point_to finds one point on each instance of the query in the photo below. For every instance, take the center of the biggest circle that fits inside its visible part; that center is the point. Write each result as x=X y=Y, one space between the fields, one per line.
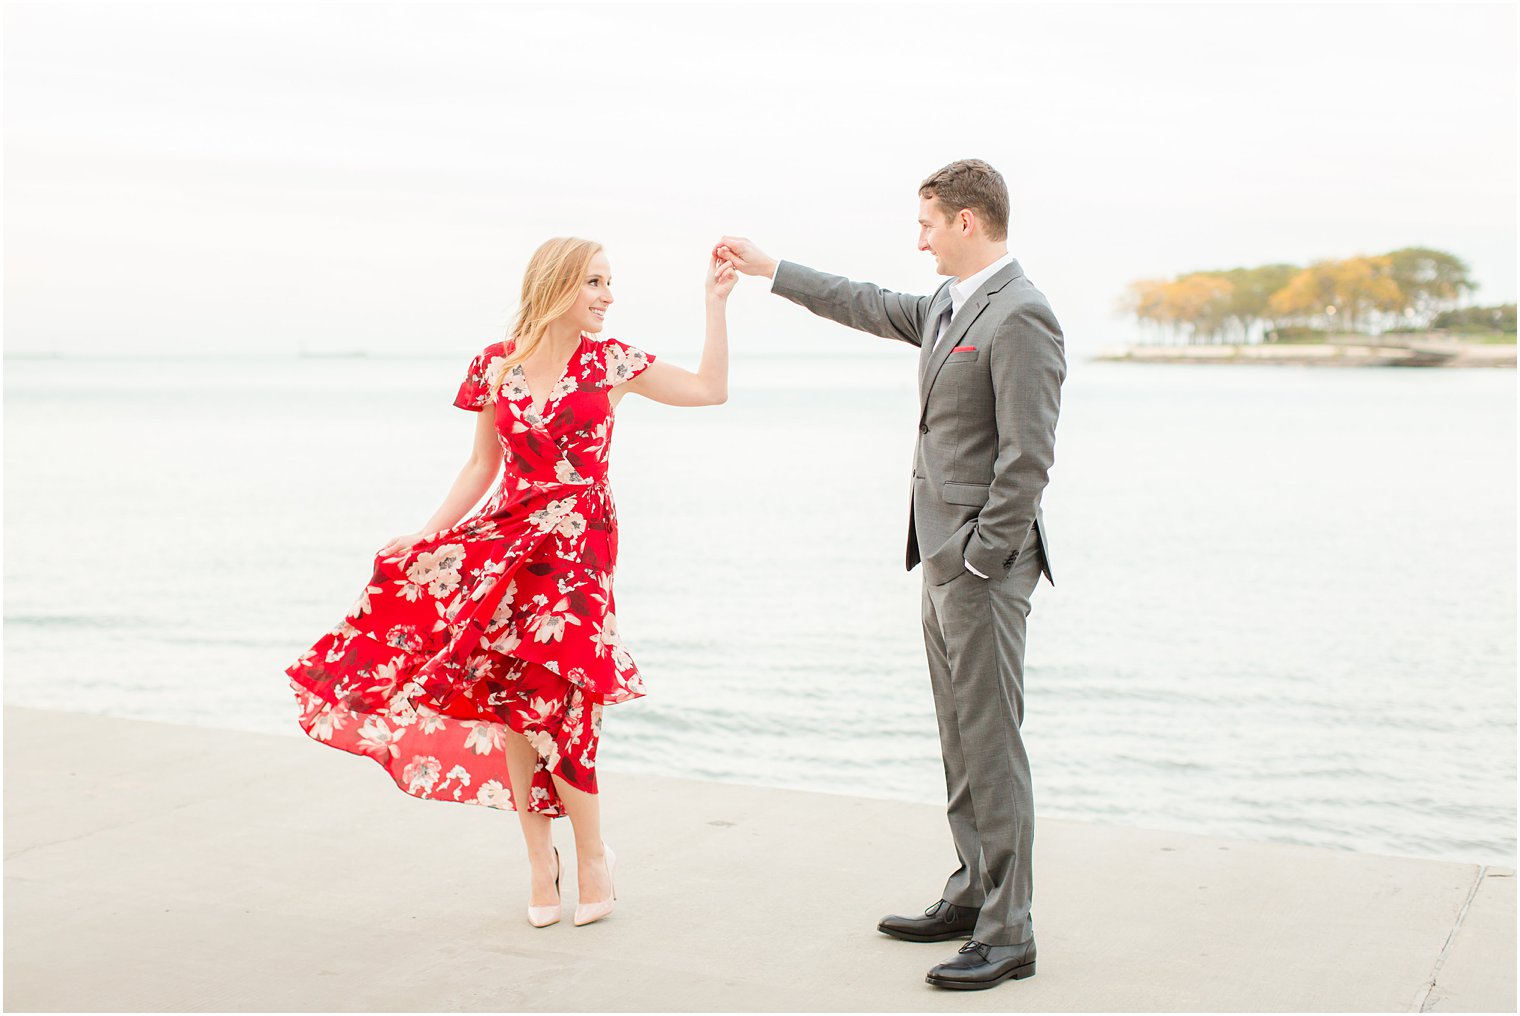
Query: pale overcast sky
x=210 y=178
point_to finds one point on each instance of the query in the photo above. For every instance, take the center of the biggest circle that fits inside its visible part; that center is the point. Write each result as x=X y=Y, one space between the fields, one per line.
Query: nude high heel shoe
x=542 y=917
x=585 y=913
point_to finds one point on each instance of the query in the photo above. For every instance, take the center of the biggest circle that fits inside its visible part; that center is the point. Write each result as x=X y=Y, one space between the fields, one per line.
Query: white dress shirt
x=960 y=292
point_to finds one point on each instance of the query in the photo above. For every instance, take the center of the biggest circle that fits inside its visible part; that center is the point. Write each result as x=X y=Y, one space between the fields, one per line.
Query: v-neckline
x=538 y=411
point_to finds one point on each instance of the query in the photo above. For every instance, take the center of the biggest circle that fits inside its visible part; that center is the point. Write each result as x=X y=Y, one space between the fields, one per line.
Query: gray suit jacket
x=989 y=395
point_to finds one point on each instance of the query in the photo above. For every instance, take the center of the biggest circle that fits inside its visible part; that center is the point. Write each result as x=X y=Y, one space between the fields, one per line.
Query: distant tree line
x=1411 y=289
x=1477 y=319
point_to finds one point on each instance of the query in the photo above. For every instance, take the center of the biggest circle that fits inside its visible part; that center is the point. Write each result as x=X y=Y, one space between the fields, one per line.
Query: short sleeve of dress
x=623 y=362
x=475 y=389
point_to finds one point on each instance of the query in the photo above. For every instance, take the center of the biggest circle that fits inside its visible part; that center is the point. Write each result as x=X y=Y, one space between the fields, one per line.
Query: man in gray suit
x=990 y=368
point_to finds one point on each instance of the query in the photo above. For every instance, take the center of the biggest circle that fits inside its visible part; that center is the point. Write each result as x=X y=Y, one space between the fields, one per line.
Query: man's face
x=939 y=236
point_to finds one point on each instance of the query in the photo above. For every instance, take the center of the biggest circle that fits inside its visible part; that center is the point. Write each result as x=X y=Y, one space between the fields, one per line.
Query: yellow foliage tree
x=1410 y=285
x=1146 y=300
x=1202 y=302
x=1193 y=306
x=1339 y=292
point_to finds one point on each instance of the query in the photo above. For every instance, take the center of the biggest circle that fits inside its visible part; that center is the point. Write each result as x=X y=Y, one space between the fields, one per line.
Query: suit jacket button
x=923 y=428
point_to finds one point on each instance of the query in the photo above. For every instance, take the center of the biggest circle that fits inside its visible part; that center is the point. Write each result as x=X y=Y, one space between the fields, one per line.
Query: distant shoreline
x=1365 y=351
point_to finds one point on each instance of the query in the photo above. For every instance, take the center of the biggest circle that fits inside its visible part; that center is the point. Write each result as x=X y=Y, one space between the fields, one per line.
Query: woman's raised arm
x=676 y=386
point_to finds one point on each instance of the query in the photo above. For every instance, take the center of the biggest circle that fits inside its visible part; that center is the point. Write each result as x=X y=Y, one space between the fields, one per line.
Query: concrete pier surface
x=150 y=866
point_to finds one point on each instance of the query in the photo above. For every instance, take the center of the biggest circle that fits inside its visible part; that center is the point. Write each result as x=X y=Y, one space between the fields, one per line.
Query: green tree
x=1429 y=282
x=1478 y=319
x=1249 y=304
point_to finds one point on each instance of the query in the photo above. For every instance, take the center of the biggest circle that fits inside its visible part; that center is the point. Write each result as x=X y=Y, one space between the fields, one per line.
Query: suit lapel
x=926 y=349
x=959 y=326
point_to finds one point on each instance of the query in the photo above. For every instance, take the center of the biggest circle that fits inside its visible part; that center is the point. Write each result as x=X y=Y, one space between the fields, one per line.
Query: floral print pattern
x=504 y=621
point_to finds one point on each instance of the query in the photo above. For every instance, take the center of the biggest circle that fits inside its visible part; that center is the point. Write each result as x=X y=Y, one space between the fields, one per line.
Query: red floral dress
x=505 y=620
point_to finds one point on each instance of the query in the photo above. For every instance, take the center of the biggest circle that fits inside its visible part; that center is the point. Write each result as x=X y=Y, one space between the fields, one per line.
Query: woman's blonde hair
x=550 y=286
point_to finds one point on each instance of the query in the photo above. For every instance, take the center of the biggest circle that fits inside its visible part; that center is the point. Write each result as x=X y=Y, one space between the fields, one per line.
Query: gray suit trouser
x=974 y=636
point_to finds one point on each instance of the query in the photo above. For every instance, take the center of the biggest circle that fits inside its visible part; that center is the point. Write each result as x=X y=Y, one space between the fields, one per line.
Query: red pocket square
x=964 y=349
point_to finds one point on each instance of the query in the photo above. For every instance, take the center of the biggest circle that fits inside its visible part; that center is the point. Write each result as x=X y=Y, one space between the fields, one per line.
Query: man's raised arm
x=856 y=304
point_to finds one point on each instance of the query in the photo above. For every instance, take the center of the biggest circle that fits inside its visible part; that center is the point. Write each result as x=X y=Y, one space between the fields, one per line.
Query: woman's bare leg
x=521 y=758
x=585 y=812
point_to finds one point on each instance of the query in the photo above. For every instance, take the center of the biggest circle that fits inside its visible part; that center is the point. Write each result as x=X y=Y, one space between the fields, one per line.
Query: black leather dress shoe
x=979 y=965
x=940 y=923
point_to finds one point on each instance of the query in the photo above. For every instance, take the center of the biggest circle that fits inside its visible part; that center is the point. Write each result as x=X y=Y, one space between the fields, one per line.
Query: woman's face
x=589 y=311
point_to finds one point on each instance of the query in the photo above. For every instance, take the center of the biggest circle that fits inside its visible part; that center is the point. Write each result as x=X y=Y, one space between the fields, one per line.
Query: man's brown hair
x=971 y=183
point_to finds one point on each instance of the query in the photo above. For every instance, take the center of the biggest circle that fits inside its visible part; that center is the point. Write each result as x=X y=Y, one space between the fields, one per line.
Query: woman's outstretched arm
x=676 y=386
x=474 y=479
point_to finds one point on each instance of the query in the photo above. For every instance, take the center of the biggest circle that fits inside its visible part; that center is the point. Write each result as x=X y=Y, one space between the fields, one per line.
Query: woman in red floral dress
x=475 y=664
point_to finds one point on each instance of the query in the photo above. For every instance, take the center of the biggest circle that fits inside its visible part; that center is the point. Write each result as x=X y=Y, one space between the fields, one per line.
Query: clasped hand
x=721 y=277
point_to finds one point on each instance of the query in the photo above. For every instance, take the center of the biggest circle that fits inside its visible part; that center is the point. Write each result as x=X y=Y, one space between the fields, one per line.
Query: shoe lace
x=979 y=948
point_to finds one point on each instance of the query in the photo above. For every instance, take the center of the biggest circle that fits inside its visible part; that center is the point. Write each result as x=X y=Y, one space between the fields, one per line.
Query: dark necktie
x=941 y=323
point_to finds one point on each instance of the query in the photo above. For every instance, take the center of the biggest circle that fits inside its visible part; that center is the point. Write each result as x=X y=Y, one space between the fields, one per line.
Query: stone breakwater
x=1372 y=353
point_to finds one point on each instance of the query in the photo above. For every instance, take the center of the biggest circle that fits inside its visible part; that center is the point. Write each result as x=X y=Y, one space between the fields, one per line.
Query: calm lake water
x=1285 y=606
